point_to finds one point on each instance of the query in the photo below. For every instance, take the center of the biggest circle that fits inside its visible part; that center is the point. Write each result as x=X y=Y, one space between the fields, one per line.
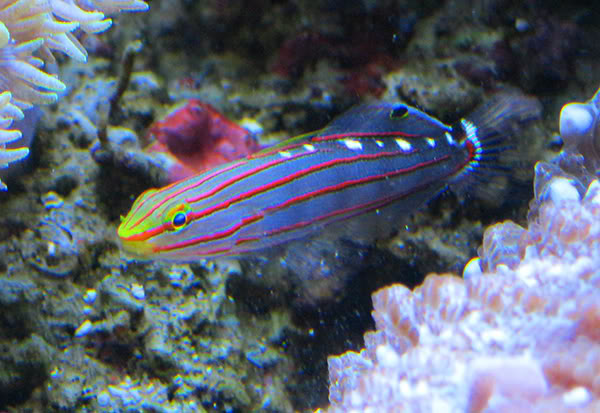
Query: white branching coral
x=524 y=338
x=8 y=112
x=30 y=30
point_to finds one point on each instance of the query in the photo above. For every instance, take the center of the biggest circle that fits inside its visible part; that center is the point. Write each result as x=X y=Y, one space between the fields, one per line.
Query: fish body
x=371 y=166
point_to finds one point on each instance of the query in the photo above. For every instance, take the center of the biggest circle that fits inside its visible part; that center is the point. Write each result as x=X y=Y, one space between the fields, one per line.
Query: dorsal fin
x=385 y=117
x=372 y=118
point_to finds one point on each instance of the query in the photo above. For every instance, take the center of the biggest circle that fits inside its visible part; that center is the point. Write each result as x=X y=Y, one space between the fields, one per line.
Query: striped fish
x=356 y=177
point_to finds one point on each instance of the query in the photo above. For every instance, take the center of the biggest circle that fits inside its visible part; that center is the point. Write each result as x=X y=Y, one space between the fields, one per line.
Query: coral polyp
x=580 y=129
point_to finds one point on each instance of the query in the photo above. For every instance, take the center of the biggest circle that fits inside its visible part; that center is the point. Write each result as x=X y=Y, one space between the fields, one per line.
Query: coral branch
x=29 y=27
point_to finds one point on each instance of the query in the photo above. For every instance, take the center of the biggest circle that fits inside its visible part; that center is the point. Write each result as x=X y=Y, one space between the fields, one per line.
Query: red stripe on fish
x=269 y=152
x=217 y=235
x=148 y=233
x=361 y=135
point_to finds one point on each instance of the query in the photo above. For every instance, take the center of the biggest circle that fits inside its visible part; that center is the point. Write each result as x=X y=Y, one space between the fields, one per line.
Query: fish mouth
x=134 y=248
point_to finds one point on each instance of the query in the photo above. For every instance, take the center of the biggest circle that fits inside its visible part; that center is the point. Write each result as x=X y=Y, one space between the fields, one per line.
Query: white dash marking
x=404 y=145
x=470 y=129
x=471 y=132
x=83 y=329
x=450 y=139
x=352 y=144
x=379 y=143
x=309 y=147
x=285 y=154
x=430 y=142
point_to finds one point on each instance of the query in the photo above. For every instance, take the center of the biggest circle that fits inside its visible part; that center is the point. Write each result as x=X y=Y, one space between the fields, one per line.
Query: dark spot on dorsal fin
x=398 y=112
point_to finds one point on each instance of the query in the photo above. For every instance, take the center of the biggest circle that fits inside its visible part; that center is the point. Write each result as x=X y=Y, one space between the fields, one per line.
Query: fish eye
x=177 y=217
x=179 y=220
x=399 y=112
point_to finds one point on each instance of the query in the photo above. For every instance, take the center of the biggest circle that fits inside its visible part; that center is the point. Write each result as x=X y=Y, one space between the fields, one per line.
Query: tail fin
x=491 y=131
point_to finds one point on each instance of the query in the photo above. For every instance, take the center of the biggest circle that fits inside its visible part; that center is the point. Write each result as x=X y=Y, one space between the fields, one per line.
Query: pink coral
x=522 y=339
x=196 y=137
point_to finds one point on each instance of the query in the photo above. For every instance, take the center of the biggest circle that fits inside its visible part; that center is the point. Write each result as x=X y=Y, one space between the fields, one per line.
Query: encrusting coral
x=518 y=333
x=30 y=30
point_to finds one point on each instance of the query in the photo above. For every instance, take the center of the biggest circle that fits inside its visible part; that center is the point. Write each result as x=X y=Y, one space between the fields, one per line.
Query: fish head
x=159 y=218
